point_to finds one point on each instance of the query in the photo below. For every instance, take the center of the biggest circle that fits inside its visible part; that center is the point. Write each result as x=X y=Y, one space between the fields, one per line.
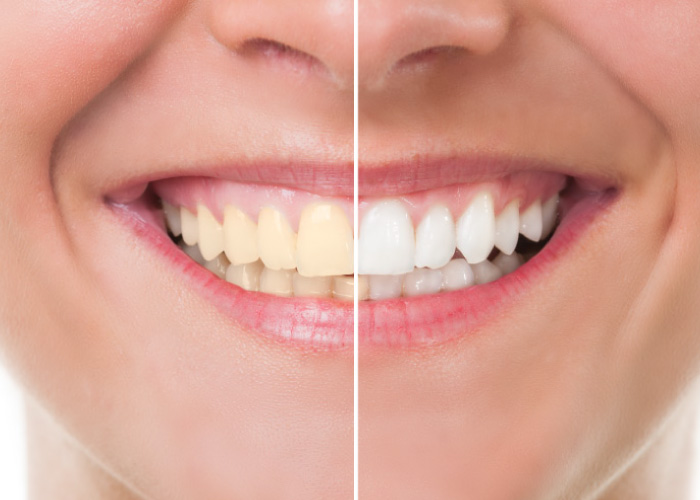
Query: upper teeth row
x=323 y=246
x=389 y=245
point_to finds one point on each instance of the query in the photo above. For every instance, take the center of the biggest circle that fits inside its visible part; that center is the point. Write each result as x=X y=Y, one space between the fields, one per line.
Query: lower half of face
x=183 y=252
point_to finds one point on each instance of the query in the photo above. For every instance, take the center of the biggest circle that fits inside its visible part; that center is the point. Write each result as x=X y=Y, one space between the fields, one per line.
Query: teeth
x=218 y=266
x=276 y=240
x=531 y=222
x=240 y=237
x=435 y=238
x=508 y=263
x=362 y=288
x=172 y=218
x=384 y=287
x=211 y=234
x=486 y=272
x=422 y=282
x=457 y=274
x=476 y=231
x=343 y=288
x=312 y=287
x=386 y=243
x=190 y=227
x=276 y=282
x=549 y=215
x=325 y=241
x=508 y=228
x=247 y=276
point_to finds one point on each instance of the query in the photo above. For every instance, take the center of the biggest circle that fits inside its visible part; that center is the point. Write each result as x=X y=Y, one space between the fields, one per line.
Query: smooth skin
x=586 y=386
x=137 y=386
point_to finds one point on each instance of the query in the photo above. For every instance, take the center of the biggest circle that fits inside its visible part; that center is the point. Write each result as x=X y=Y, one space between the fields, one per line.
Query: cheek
x=649 y=47
x=55 y=56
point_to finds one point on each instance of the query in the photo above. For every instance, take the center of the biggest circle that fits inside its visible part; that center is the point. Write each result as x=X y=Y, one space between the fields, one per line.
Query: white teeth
x=486 y=272
x=435 y=238
x=172 y=218
x=384 y=287
x=211 y=234
x=190 y=226
x=240 y=237
x=325 y=241
x=531 y=222
x=277 y=241
x=508 y=228
x=312 y=287
x=457 y=274
x=422 y=282
x=549 y=215
x=276 y=282
x=476 y=229
x=508 y=263
x=247 y=276
x=386 y=242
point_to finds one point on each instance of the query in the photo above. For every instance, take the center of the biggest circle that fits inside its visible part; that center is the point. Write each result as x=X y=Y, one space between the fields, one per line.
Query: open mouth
x=431 y=261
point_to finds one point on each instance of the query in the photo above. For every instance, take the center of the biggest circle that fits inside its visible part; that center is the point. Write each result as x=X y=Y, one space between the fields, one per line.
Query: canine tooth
x=211 y=234
x=476 y=229
x=276 y=282
x=549 y=215
x=486 y=272
x=508 y=263
x=240 y=237
x=384 y=286
x=362 y=288
x=435 y=238
x=247 y=276
x=324 y=242
x=277 y=241
x=343 y=288
x=190 y=227
x=172 y=218
x=457 y=274
x=317 y=286
x=387 y=242
x=508 y=228
x=422 y=282
x=531 y=222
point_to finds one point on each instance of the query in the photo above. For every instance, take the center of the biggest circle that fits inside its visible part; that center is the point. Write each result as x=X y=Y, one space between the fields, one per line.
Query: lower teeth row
x=456 y=275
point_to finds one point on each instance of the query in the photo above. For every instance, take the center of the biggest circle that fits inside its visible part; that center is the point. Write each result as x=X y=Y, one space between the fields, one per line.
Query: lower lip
x=431 y=319
x=304 y=323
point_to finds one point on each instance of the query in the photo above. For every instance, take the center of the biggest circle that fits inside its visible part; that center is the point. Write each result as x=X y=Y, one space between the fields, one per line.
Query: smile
x=431 y=261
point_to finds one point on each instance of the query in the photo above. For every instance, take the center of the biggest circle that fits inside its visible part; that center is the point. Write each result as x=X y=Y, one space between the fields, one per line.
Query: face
x=177 y=382
x=563 y=373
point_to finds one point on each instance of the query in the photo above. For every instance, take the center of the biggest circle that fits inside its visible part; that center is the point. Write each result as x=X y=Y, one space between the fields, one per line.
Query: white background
x=12 y=452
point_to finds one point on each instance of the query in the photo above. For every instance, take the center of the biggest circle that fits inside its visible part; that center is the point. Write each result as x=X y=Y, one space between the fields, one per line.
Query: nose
x=405 y=34
x=314 y=35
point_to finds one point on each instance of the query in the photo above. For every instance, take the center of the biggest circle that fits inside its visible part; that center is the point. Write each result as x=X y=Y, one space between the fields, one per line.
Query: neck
x=59 y=469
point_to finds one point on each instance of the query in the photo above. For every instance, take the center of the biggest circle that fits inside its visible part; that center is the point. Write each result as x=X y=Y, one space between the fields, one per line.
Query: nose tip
x=312 y=33
x=398 y=33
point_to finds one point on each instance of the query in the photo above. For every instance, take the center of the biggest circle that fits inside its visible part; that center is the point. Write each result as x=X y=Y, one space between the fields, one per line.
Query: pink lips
x=328 y=324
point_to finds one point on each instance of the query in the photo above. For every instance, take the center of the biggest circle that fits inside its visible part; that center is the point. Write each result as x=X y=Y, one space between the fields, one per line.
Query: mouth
x=460 y=240
x=440 y=250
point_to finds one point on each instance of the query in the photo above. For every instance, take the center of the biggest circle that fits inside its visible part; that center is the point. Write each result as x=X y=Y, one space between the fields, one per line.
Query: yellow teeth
x=325 y=242
x=312 y=287
x=240 y=237
x=277 y=241
x=211 y=234
x=247 y=276
x=190 y=227
x=276 y=282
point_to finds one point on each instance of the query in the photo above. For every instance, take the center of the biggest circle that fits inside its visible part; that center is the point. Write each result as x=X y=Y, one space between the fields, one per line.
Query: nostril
x=427 y=56
x=274 y=52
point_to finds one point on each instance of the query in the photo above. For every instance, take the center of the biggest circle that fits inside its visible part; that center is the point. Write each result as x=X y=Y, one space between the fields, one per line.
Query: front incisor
x=277 y=241
x=325 y=241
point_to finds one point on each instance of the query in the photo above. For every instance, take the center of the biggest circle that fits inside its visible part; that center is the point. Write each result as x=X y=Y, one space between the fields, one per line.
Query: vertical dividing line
x=356 y=342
